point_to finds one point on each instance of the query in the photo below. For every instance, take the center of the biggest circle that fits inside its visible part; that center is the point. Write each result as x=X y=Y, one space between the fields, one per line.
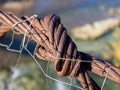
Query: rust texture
x=54 y=44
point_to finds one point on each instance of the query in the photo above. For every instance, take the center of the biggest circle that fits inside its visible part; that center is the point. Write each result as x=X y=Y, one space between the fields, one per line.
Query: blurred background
x=94 y=25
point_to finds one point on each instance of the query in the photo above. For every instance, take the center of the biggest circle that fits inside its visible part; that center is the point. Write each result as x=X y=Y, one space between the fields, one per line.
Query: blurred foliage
x=25 y=77
x=72 y=12
x=116 y=54
x=29 y=81
x=113 y=48
x=116 y=47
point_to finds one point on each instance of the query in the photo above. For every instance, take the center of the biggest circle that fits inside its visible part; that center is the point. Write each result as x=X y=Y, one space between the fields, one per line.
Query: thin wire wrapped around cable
x=55 y=45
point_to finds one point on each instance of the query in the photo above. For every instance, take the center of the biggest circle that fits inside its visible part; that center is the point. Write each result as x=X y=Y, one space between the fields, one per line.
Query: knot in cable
x=62 y=47
x=54 y=44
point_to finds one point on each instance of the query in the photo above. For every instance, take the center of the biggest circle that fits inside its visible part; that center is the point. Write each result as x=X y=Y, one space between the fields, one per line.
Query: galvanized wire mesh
x=55 y=45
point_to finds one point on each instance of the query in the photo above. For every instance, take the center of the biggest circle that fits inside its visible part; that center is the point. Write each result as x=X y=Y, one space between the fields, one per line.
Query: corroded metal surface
x=54 y=44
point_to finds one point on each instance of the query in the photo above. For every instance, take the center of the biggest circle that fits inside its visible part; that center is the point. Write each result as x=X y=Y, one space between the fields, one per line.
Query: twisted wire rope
x=54 y=44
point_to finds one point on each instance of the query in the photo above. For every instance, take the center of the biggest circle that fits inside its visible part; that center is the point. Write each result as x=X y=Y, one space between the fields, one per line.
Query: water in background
x=73 y=13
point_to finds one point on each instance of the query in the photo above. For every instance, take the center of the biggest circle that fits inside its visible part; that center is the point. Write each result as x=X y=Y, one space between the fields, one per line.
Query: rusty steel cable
x=54 y=44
